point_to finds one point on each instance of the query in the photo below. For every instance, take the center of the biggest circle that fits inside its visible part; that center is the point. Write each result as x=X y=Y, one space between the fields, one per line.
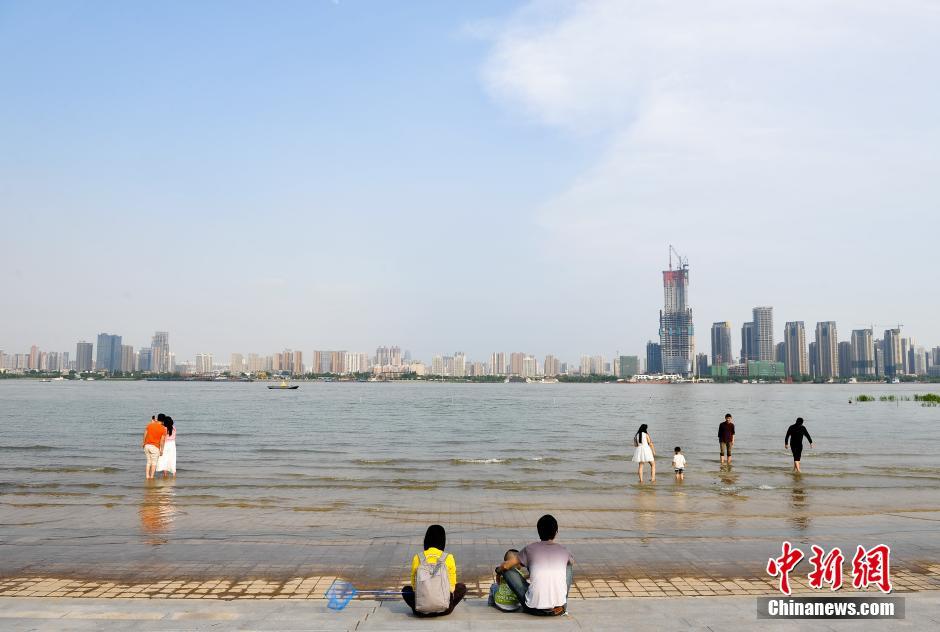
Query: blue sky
x=477 y=176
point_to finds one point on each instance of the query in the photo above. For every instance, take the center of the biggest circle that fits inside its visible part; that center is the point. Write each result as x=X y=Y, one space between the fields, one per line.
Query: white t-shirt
x=547 y=562
x=678 y=461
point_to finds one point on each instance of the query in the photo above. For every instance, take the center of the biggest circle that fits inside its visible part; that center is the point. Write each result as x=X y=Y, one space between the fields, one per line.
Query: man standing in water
x=726 y=438
x=153 y=442
x=794 y=441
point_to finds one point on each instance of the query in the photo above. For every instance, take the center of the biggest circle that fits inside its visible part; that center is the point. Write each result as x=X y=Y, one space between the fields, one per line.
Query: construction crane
x=683 y=262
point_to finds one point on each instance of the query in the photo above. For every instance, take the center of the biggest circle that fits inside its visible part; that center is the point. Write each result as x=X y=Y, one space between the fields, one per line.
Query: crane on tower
x=683 y=261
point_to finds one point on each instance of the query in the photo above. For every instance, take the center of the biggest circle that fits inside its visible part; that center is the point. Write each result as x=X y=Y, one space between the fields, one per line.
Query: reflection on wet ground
x=799 y=516
x=157 y=510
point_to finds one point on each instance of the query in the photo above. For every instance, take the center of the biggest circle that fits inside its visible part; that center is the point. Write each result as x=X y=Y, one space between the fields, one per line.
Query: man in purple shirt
x=549 y=564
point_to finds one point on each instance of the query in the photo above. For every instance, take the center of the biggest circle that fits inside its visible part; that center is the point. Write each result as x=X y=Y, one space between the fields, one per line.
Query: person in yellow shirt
x=435 y=540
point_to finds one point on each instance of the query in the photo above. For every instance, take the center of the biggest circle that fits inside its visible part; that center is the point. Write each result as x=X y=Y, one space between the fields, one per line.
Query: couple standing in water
x=159 y=444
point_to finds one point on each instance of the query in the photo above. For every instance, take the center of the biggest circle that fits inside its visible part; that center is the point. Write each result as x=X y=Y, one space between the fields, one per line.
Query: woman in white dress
x=644 y=452
x=167 y=461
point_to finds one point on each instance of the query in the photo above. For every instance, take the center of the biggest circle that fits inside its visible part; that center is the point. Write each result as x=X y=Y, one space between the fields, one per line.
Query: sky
x=474 y=176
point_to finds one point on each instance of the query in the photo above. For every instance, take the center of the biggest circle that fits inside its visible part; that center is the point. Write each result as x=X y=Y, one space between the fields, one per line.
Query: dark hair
x=506 y=556
x=799 y=421
x=547 y=527
x=435 y=537
x=638 y=437
x=678 y=449
x=727 y=415
x=161 y=417
x=168 y=424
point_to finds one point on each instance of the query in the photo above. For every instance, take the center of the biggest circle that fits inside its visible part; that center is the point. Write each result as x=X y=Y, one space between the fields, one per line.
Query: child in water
x=501 y=595
x=678 y=464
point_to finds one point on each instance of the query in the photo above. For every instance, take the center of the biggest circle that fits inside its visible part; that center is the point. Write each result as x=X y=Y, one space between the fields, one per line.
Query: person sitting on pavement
x=545 y=592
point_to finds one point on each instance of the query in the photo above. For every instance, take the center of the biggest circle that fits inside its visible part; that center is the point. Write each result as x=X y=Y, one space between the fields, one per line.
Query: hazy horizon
x=483 y=177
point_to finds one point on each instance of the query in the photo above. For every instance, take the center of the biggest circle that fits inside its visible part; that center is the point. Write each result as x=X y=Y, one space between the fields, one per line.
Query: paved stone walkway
x=314 y=587
x=728 y=614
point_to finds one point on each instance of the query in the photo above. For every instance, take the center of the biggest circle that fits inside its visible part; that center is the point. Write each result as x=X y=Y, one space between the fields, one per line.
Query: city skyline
x=492 y=175
x=761 y=355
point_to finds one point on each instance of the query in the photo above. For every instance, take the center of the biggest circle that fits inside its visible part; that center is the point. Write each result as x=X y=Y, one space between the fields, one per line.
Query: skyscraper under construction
x=676 y=333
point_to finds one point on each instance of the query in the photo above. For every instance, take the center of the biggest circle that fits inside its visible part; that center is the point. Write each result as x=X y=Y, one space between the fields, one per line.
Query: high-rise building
x=813 y=361
x=845 y=359
x=891 y=349
x=128 y=364
x=598 y=365
x=879 y=347
x=109 y=353
x=83 y=356
x=160 y=353
x=794 y=340
x=827 y=349
x=437 y=365
x=33 y=363
x=516 y=363
x=863 y=352
x=906 y=344
x=460 y=364
x=351 y=360
x=530 y=366
x=338 y=362
x=236 y=365
x=297 y=364
x=381 y=356
x=654 y=358
x=628 y=366
x=676 y=333
x=920 y=361
x=701 y=365
x=764 y=333
x=748 y=342
x=322 y=362
x=145 y=359
x=203 y=364
x=551 y=366
x=721 y=343
x=498 y=363
x=585 y=365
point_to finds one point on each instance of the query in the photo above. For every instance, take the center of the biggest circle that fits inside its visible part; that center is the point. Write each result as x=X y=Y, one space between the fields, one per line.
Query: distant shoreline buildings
x=761 y=356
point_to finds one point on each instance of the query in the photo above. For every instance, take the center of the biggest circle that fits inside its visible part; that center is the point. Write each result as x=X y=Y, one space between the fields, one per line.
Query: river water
x=345 y=476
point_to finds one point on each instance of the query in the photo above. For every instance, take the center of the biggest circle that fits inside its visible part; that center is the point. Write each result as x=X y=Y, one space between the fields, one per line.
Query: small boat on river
x=283 y=386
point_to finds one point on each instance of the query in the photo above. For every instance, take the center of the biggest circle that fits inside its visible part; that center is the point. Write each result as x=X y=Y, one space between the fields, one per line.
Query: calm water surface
x=347 y=462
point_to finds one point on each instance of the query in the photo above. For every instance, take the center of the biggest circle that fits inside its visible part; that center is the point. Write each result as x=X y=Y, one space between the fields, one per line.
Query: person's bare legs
x=639 y=471
x=796 y=466
x=652 y=471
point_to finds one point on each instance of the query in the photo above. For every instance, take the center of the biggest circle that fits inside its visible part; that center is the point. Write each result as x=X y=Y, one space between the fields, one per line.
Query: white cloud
x=744 y=109
x=768 y=140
